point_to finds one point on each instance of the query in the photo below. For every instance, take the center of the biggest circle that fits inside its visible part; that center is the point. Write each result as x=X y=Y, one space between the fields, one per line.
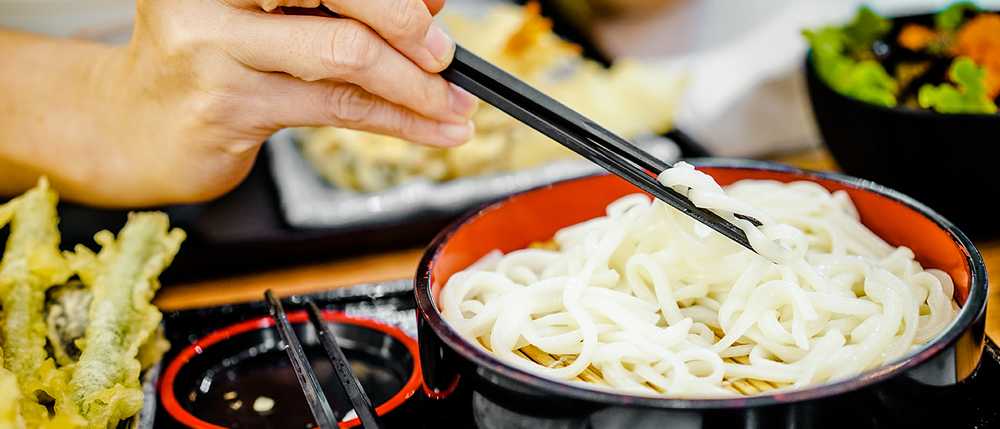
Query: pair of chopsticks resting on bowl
x=326 y=417
x=579 y=134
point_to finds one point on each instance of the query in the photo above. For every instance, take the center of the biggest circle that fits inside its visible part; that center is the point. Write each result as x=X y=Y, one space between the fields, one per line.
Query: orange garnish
x=916 y=37
x=533 y=27
x=979 y=39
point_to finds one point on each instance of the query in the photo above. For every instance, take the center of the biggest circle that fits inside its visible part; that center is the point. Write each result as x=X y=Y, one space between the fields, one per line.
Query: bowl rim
x=973 y=309
x=197 y=347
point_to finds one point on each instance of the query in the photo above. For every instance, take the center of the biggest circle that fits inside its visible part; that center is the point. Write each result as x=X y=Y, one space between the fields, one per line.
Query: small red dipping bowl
x=216 y=381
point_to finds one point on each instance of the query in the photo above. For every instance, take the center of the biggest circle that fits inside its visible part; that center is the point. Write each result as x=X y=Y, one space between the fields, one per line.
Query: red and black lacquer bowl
x=912 y=390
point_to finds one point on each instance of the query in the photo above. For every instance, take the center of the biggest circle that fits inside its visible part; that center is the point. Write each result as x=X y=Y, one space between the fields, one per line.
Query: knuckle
x=175 y=34
x=350 y=105
x=214 y=107
x=269 y=5
x=436 y=96
x=353 y=49
x=213 y=74
x=181 y=45
x=408 y=19
x=397 y=123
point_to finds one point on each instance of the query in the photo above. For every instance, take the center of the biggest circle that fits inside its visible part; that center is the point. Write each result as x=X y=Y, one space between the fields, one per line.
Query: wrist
x=108 y=102
x=143 y=122
x=119 y=158
x=54 y=114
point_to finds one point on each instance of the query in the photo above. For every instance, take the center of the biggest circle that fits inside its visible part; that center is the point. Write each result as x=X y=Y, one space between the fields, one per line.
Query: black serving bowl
x=217 y=381
x=909 y=391
x=947 y=161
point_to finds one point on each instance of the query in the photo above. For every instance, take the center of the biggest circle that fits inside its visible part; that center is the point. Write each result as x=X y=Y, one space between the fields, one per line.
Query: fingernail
x=439 y=44
x=457 y=133
x=461 y=102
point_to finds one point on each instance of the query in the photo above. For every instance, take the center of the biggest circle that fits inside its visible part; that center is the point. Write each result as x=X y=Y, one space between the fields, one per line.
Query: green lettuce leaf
x=842 y=58
x=866 y=27
x=969 y=96
x=951 y=17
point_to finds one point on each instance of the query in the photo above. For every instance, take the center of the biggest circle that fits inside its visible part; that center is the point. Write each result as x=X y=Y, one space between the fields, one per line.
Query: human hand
x=204 y=82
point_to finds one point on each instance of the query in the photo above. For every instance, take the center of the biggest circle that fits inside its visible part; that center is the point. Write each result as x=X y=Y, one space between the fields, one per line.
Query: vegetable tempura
x=73 y=350
x=629 y=98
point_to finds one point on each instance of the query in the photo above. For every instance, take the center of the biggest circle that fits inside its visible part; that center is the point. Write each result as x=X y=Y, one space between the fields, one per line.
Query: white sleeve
x=103 y=20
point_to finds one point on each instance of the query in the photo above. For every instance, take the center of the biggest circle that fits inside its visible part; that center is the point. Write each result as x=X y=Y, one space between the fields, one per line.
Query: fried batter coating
x=153 y=349
x=10 y=410
x=95 y=386
x=123 y=278
x=31 y=264
x=66 y=314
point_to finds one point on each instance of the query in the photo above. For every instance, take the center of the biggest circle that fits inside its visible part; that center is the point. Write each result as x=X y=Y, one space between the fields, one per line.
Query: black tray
x=974 y=405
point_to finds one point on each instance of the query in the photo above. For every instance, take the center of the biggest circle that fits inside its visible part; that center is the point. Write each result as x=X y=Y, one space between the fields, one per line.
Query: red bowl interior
x=184 y=417
x=537 y=215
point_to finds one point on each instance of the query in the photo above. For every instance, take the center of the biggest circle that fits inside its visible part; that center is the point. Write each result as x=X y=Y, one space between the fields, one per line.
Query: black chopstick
x=579 y=134
x=315 y=397
x=342 y=370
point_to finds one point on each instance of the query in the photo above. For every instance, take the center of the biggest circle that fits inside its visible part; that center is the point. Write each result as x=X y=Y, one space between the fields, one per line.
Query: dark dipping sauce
x=247 y=381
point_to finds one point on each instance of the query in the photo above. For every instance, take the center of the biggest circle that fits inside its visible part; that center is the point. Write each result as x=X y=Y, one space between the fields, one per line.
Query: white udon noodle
x=639 y=293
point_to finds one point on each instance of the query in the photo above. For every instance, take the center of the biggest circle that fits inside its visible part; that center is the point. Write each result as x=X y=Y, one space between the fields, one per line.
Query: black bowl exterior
x=907 y=393
x=949 y=162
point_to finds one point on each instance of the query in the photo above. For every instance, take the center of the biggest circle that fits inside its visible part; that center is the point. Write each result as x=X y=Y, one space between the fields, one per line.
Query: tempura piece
x=115 y=317
x=533 y=50
x=66 y=315
x=153 y=349
x=365 y=161
x=517 y=39
x=6 y=211
x=105 y=383
x=630 y=99
x=31 y=264
x=10 y=409
x=67 y=414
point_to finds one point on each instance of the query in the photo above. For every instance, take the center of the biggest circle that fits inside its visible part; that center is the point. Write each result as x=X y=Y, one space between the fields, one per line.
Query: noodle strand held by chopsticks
x=645 y=300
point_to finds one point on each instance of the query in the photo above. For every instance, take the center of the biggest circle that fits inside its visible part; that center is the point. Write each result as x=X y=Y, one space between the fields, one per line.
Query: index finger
x=315 y=48
x=433 y=6
x=408 y=25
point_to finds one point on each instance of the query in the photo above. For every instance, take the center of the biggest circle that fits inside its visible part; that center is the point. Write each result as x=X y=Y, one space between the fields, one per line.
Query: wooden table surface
x=403 y=263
